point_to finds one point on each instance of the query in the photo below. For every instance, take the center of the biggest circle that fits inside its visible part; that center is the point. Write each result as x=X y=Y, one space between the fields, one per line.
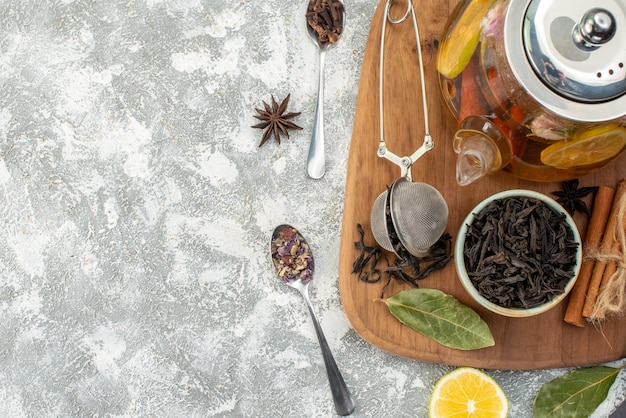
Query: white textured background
x=136 y=211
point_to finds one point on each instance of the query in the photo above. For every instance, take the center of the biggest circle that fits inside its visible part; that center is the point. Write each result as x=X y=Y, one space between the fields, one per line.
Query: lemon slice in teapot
x=457 y=49
x=589 y=147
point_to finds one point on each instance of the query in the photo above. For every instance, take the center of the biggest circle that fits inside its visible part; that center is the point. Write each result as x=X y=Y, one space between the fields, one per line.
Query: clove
x=325 y=17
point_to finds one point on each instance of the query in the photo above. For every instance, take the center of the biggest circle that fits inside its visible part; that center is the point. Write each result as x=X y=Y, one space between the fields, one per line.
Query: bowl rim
x=460 y=262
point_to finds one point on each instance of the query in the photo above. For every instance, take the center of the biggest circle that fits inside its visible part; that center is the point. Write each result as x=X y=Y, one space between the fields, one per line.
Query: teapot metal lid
x=570 y=55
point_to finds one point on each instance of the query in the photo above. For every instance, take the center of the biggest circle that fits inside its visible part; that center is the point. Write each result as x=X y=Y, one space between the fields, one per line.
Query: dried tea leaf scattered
x=410 y=269
x=366 y=264
x=407 y=268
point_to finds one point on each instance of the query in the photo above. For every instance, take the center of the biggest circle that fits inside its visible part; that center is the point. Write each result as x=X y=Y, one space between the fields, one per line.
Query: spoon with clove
x=325 y=20
x=293 y=260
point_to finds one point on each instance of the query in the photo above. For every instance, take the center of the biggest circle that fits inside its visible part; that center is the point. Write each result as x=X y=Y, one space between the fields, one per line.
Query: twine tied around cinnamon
x=611 y=300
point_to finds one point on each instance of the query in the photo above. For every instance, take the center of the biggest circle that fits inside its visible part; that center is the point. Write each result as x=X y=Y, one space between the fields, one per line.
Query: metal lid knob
x=596 y=27
x=584 y=80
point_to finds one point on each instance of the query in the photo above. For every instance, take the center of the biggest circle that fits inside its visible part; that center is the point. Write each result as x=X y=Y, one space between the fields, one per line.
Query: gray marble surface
x=136 y=211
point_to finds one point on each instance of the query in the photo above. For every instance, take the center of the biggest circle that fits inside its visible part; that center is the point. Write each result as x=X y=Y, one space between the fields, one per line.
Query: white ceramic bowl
x=460 y=263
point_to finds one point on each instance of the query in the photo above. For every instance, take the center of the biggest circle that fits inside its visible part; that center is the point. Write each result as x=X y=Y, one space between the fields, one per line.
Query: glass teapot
x=537 y=87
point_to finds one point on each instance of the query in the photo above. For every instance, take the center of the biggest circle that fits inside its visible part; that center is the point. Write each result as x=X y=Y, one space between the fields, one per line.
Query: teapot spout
x=476 y=158
x=476 y=145
x=472 y=165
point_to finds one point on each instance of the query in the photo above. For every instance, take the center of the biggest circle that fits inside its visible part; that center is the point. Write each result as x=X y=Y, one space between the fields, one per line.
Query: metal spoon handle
x=316 y=162
x=344 y=404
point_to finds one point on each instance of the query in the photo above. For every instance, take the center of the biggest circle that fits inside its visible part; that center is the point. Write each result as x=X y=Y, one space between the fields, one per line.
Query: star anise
x=571 y=196
x=275 y=120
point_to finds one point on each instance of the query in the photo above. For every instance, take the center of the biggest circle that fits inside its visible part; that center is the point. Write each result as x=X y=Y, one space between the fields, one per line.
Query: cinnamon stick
x=602 y=205
x=608 y=241
x=609 y=244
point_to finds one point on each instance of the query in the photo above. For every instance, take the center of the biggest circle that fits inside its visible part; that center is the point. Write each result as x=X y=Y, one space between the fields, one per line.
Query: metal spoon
x=324 y=36
x=293 y=260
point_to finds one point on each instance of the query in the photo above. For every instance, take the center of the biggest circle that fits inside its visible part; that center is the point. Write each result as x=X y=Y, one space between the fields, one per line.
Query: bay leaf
x=576 y=394
x=440 y=316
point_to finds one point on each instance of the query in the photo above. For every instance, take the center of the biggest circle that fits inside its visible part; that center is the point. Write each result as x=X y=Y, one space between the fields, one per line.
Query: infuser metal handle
x=405 y=162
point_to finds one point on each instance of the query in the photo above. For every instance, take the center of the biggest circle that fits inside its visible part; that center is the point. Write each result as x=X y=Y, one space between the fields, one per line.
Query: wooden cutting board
x=543 y=341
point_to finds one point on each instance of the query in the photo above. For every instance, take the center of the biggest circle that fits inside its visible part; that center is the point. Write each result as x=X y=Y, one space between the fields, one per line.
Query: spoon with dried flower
x=325 y=20
x=293 y=260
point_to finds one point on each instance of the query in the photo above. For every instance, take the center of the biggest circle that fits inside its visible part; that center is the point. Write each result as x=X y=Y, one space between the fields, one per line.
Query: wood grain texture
x=544 y=341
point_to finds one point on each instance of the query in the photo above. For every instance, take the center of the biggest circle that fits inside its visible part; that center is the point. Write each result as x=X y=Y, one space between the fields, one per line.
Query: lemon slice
x=589 y=147
x=457 y=49
x=467 y=392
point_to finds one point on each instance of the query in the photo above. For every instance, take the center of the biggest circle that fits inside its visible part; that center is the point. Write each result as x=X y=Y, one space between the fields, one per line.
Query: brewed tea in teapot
x=537 y=87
